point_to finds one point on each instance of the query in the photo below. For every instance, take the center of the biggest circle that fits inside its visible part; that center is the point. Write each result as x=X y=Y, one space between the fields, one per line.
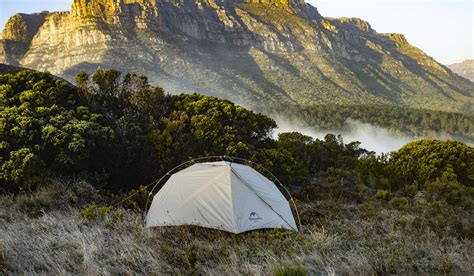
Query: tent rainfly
x=221 y=195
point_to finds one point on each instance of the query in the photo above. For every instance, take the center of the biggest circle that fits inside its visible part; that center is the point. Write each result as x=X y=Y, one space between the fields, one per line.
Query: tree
x=427 y=160
x=154 y=132
x=45 y=127
x=202 y=126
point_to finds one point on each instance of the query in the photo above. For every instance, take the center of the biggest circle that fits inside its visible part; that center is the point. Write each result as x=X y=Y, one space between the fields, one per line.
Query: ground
x=45 y=232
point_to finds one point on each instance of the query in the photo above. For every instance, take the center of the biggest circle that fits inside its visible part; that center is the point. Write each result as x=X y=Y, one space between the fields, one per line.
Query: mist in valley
x=373 y=138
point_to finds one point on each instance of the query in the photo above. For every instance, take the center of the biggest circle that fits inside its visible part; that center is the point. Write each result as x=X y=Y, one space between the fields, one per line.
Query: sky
x=444 y=29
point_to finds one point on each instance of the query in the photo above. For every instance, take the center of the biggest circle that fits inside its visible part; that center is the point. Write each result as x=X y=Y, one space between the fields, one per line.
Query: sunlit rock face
x=464 y=69
x=254 y=52
x=17 y=35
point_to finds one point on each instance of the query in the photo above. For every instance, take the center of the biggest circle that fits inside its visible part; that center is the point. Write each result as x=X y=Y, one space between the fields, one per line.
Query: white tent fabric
x=221 y=195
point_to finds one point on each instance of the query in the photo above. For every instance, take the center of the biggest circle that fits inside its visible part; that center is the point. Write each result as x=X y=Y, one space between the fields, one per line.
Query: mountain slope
x=464 y=69
x=252 y=52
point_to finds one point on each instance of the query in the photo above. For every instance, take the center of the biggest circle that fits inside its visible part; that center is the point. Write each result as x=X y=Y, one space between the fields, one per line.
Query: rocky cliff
x=464 y=69
x=253 y=52
x=17 y=35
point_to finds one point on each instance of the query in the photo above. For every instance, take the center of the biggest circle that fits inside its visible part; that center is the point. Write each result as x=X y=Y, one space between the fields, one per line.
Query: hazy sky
x=444 y=29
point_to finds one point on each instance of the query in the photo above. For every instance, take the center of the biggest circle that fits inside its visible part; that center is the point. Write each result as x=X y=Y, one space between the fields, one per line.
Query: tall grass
x=55 y=240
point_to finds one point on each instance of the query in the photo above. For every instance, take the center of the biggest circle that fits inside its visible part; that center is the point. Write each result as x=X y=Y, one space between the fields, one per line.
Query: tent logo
x=254 y=217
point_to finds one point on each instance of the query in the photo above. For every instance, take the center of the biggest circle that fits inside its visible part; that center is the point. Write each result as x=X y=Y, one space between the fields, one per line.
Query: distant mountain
x=464 y=69
x=255 y=53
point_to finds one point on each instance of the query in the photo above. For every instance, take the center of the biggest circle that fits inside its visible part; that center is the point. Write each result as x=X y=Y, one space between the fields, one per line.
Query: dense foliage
x=120 y=132
x=116 y=130
x=45 y=126
x=155 y=132
x=201 y=125
x=416 y=122
x=298 y=159
x=427 y=160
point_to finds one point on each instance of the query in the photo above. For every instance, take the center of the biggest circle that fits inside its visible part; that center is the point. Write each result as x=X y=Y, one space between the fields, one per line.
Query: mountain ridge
x=464 y=69
x=251 y=52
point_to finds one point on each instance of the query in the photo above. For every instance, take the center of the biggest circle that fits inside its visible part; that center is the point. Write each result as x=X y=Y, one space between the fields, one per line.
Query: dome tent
x=221 y=195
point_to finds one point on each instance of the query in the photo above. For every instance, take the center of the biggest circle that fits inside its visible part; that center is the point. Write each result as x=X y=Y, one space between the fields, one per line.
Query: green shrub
x=399 y=203
x=280 y=233
x=89 y=213
x=289 y=269
x=136 y=199
x=22 y=167
x=382 y=194
x=46 y=127
x=369 y=209
x=451 y=192
x=421 y=203
x=397 y=258
x=93 y=212
x=402 y=222
x=426 y=160
x=442 y=218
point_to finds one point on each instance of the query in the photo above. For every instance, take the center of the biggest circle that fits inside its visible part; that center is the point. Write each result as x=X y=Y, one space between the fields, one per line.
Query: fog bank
x=374 y=138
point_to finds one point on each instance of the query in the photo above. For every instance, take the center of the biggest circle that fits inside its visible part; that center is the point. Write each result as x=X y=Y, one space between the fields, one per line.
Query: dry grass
x=55 y=240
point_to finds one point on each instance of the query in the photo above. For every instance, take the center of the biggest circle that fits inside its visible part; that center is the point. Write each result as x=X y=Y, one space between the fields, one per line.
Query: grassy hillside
x=43 y=232
x=74 y=162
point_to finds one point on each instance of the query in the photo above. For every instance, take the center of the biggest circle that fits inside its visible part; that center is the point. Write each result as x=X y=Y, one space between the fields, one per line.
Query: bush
x=23 y=167
x=289 y=269
x=136 y=200
x=400 y=203
x=155 y=132
x=203 y=125
x=192 y=257
x=426 y=160
x=45 y=127
x=93 y=212
x=382 y=194
x=450 y=191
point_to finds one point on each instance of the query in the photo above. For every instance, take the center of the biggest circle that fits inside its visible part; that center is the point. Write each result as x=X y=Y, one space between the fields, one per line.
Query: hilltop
x=77 y=164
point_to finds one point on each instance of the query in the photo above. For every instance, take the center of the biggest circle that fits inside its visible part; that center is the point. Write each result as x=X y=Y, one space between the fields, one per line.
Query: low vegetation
x=69 y=153
x=339 y=235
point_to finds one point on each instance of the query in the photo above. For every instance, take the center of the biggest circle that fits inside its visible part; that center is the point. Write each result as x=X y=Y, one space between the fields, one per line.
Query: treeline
x=123 y=132
x=119 y=132
x=416 y=122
